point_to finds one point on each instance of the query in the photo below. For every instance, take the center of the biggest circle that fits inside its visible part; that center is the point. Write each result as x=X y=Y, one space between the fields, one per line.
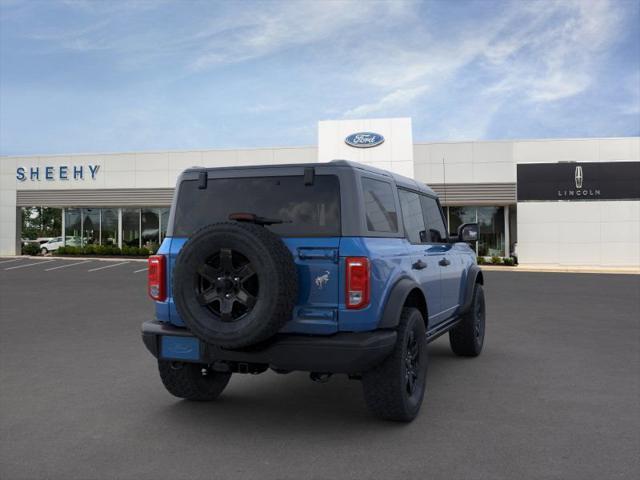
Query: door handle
x=419 y=265
x=444 y=262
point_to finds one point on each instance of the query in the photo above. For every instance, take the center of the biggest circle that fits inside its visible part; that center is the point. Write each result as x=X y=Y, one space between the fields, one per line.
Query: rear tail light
x=357 y=294
x=157 y=278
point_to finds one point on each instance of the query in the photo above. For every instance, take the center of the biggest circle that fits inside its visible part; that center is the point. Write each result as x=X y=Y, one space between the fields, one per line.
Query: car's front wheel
x=394 y=390
x=192 y=381
x=44 y=251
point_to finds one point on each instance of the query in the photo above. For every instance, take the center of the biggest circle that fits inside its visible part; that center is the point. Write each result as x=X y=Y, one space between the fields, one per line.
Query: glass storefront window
x=72 y=226
x=491 y=223
x=41 y=222
x=131 y=227
x=90 y=226
x=109 y=227
x=164 y=219
x=141 y=227
x=460 y=215
x=150 y=228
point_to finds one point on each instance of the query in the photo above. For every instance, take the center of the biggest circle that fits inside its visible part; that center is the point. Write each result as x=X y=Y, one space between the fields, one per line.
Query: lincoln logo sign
x=60 y=172
x=364 y=139
x=579 y=177
x=574 y=182
x=579 y=191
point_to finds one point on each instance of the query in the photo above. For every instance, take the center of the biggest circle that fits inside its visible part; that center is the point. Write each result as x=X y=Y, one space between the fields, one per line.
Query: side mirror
x=468 y=232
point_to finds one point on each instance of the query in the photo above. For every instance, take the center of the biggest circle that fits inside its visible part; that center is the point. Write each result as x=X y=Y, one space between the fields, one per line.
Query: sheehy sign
x=575 y=181
x=59 y=172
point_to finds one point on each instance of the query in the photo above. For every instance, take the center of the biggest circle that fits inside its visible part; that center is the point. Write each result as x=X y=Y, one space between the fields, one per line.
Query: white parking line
x=30 y=264
x=108 y=266
x=65 y=266
x=9 y=261
x=141 y=270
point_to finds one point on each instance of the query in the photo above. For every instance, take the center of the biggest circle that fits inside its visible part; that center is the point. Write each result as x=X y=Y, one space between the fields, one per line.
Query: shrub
x=481 y=261
x=31 y=249
x=508 y=261
x=102 y=250
x=496 y=260
x=68 y=250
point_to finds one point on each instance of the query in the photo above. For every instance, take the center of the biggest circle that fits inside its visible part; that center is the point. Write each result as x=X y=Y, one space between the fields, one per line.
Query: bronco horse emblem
x=322 y=280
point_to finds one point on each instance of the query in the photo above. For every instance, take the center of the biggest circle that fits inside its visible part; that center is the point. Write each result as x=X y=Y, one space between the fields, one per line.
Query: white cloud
x=396 y=99
x=539 y=51
x=289 y=25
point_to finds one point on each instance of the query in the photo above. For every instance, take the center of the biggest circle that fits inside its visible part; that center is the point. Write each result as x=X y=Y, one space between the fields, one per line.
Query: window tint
x=436 y=231
x=380 y=206
x=412 y=216
x=306 y=210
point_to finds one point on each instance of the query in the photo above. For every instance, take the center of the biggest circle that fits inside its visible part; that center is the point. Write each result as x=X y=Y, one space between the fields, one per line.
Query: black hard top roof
x=400 y=180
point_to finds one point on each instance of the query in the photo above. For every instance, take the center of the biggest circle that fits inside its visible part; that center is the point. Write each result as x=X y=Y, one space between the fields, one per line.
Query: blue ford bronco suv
x=327 y=268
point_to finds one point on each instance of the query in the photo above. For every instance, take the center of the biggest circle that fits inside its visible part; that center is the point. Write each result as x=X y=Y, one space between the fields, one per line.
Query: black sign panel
x=579 y=181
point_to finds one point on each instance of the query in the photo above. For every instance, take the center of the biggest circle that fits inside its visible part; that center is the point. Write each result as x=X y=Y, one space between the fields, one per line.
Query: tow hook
x=320 y=377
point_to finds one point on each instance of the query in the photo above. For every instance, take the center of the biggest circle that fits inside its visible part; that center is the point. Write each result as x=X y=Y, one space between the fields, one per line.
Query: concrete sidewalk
x=96 y=258
x=562 y=269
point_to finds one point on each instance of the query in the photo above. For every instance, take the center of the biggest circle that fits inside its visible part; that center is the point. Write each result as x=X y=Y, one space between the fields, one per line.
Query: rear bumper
x=339 y=353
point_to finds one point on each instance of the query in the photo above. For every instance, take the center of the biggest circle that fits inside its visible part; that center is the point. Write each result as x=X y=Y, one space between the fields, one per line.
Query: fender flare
x=474 y=275
x=399 y=293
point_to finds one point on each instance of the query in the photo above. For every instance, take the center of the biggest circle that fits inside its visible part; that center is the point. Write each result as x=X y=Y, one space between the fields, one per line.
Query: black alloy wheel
x=227 y=285
x=478 y=319
x=412 y=363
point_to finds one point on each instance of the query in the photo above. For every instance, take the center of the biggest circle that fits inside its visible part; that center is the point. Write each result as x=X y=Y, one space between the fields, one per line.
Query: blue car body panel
x=320 y=263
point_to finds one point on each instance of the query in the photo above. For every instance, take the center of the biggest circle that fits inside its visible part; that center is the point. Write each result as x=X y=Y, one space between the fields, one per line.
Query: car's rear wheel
x=192 y=381
x=467 y=338
x=394 y=390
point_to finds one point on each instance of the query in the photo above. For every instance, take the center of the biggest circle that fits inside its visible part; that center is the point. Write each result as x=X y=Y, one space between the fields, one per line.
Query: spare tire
x=234 y=284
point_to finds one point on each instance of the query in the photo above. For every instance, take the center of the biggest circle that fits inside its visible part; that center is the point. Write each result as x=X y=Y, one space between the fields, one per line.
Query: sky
x=88 y=76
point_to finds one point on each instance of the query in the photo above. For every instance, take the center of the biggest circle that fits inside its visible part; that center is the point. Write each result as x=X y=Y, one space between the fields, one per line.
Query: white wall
x=148 y=169
x=8 y=218
x=584 y=233
x=465 y=162
x=587 y=233
x=395 y=154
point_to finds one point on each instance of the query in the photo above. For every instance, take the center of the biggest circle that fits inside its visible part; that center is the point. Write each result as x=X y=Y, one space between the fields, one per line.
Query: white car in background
x=57 y=242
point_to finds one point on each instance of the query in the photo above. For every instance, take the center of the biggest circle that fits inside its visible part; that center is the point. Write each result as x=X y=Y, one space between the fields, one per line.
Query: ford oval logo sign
x=364 y=139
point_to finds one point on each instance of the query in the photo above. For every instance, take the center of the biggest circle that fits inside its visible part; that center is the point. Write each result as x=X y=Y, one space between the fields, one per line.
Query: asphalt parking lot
x=554 y=394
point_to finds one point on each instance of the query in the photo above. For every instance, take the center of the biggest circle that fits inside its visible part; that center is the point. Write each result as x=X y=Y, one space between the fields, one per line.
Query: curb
x=558 y=269
x=98 y=259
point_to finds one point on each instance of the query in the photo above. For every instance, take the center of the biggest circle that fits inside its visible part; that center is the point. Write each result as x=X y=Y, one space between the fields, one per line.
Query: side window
x=380 y=206
x=412 y=216
x=436 y=231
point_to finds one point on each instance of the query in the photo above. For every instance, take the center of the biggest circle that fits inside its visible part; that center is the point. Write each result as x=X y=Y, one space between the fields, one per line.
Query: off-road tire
x=385 y=386
x=467 y=337
x=192 y=381
x=276 y=273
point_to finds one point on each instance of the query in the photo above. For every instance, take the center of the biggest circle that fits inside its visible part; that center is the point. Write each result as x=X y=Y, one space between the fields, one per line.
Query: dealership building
x=560 y=202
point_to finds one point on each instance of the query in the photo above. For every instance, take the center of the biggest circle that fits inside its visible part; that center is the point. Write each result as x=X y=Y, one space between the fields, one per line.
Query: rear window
x=308 y=210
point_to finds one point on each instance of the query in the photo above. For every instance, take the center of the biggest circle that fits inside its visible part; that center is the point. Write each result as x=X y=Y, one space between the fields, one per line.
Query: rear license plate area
x=179 y=348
